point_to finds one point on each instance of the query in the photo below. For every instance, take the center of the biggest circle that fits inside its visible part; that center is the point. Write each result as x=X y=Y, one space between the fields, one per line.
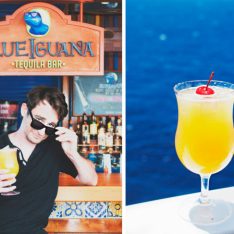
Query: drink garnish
x=205 y=90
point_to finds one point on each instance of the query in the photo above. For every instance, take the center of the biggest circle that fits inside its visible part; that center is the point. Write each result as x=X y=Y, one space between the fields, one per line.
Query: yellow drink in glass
x=205 y=136
x=8 y=160
x=205 y=142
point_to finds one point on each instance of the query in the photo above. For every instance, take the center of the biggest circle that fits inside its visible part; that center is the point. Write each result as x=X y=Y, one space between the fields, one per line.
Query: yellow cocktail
x=205 y=142
x=8 y=160
x=205 y=137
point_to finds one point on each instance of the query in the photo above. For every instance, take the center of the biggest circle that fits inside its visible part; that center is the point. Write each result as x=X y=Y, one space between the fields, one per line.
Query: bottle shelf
x=99 y=152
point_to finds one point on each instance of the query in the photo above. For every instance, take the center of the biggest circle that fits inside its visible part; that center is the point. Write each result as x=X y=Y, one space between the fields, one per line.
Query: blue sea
x=170 y=41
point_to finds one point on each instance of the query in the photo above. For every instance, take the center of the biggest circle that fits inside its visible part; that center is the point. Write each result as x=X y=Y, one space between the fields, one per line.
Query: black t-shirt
x=37 y=183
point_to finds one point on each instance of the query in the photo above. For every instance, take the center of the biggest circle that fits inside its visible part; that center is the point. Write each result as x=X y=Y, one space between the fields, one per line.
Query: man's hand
x=85 y=168
x=68 y=139
x=6 y=180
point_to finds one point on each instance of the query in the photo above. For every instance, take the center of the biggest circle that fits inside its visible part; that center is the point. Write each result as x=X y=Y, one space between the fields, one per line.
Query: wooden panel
x=85 y=225
x=66 y=48
x=89 y=193
x=103 y=180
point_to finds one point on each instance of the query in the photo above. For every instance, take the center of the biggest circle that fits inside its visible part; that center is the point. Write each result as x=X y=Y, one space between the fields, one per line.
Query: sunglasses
x=39 y=125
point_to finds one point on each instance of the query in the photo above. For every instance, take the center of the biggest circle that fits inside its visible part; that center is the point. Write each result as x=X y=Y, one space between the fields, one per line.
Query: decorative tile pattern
x=65 y=210
x=95 y=209
x=114 y=210
x=57 y=211
x=74 y=209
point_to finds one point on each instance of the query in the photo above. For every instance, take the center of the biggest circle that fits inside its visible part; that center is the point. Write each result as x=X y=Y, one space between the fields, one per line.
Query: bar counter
x=104 y=179
x=107 y=189
x=71 y=193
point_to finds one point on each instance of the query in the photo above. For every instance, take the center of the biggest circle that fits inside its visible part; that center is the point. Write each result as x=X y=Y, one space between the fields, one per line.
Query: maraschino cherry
x=205 y=90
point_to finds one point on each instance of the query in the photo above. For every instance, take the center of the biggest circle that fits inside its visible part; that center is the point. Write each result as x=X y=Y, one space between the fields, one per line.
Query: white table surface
x=162 y=217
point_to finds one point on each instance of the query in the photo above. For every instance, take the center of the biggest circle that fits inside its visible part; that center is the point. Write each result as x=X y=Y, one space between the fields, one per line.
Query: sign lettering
x=40 y=39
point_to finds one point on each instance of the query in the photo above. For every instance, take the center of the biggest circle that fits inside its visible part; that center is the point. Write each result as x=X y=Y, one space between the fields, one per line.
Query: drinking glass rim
x=9 y=149
x=200 y=81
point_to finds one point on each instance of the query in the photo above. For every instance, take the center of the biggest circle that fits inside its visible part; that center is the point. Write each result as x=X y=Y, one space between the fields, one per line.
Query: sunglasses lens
x=36 y=124
x=50 y=131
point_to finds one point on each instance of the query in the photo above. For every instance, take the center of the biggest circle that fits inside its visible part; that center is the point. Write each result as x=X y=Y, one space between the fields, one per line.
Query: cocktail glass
x=205 y=143
x=8 y=160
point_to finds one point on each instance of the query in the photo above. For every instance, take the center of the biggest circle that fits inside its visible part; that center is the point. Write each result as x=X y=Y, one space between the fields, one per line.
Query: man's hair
x=52 y=95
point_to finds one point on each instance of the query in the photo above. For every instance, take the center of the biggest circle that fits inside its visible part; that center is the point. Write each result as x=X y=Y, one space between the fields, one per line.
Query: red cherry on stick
x=205 y=90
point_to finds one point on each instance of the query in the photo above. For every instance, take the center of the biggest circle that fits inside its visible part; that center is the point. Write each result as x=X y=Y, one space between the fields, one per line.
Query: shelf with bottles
x=98 y=134
x=100 y=140
x=106 y=163
x=87 y=149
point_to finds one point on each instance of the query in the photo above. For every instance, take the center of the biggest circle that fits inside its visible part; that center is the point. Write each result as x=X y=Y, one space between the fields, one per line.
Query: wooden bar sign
x=39 y=39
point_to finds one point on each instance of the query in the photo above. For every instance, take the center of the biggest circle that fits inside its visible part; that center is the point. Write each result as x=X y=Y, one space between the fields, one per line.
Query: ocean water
x=170 y=41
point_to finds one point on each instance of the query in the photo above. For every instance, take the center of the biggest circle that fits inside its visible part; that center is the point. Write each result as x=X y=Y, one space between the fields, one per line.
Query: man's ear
x=24 y=109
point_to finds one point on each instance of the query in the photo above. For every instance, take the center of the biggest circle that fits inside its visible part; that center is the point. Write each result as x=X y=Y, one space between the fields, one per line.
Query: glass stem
x=204 y=199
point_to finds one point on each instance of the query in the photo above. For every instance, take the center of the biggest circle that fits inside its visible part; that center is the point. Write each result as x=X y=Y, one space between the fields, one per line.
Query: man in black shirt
x=44 y=151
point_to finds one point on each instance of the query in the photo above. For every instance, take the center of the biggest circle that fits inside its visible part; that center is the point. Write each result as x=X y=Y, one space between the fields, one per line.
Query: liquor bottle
x=118 y=136
x=118 y=129
x=92 y=156
x=101 y=125
x=101 y=136
x=99 y=163
x=109 y=141
x=107 y=163
x=115 y=163
x=104 y=122
x=93 y=131
x=85 y=130
x=117 y=143
x=110 y=126
x=5 y=126
x=113 y=122
x=85 y=125
x=78 y=128
x=85 y=135
x=84 y=122
x=78 y=133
